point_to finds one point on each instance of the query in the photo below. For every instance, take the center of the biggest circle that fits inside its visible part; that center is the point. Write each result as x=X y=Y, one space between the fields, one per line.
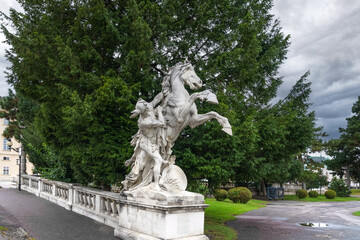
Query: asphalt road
x=45 y=220
x=280 y=220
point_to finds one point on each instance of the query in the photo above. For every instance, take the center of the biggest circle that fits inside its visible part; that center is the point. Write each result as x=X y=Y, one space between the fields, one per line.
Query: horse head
x=189 y=77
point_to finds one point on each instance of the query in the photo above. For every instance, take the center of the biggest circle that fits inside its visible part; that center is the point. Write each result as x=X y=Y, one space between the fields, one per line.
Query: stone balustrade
x=166 y=216
x=99 y=205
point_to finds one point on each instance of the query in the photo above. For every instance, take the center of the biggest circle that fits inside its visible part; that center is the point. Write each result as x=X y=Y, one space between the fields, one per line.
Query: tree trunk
x=263 y=188
x=348 y=179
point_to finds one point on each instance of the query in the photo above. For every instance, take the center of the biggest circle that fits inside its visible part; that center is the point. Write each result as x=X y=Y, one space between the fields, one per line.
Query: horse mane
x=166 y=83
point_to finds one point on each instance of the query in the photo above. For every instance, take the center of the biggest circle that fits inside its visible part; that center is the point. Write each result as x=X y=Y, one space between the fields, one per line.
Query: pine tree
x=346 y=150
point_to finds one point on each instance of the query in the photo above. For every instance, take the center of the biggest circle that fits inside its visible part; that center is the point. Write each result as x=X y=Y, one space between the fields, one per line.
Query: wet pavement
x=282 y=219
x=29 y=215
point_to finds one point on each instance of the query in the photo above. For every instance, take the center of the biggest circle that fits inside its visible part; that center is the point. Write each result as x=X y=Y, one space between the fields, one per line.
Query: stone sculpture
x=160 y=123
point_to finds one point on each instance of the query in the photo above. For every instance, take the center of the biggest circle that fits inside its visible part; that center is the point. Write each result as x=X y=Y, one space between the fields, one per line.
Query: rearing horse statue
x=179 y=106
x=160 y=123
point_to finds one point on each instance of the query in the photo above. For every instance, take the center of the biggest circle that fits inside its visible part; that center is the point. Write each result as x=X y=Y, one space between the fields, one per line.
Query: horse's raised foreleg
x=199 y=119
x=204 y=95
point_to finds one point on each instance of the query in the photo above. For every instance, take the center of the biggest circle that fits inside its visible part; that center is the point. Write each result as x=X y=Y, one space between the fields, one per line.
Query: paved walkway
x=281 y=220
x=44 y=220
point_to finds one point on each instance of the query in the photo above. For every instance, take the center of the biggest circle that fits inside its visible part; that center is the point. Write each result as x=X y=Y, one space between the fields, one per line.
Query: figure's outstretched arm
x=157 y=99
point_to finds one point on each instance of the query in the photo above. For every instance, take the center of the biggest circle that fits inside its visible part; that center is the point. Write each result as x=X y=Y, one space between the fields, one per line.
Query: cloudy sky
x=5 y=7
x=325 y=39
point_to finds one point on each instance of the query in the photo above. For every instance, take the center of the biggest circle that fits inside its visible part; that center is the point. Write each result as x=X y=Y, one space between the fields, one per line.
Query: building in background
x=9 y=159
x=319 y=157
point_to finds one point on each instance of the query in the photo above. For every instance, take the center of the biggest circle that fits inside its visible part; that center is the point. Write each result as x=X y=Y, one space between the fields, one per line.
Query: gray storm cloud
x=325 y=37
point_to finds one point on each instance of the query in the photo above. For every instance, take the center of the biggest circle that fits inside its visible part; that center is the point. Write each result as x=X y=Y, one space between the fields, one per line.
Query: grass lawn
x=321 y=198
x=357 y=213
x=219 y=212
x=355 y=191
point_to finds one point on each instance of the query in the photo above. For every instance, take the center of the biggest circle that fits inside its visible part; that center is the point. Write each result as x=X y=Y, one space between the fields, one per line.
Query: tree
x=85 y=63
x=286 y=130
x=346 y=150
x=312 y=175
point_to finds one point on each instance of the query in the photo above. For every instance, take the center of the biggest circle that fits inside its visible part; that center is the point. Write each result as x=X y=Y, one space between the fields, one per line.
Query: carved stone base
x=139 y=220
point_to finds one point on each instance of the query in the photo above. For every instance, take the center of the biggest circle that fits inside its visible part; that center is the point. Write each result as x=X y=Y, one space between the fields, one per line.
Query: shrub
x=301 y=193
x=330 y=194
x=220 y=194
x=339 y=186
x=239 y=195
x=313 y=194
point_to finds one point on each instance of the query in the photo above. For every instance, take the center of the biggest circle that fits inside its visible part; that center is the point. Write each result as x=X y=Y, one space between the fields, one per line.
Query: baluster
x=86 y=199
x=83 y=196
x=89 y=200
x=113 y=208
x=107 y=206
x=80 y=198
x=118 y=208
x=93 y=201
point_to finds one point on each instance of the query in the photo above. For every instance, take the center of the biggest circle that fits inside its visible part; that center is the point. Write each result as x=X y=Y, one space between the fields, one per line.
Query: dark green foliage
x=340 y=187
x=301 y=193
x=346 y=150
x=198 y=186
x=220 y=194
x=314 y=180
x=54 y=168
x=330 y=194
x=239 y=195
x=83 y=64
x=313 y=194
x=313 y=175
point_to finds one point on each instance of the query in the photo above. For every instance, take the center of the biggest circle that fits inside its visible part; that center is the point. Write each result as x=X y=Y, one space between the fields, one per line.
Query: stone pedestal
x=161 y=215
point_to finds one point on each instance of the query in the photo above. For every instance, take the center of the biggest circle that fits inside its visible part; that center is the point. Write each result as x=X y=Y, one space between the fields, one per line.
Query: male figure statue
x=146 y=159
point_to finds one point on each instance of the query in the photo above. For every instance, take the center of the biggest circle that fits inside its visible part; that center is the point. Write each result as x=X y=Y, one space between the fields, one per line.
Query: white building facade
x=9 y=159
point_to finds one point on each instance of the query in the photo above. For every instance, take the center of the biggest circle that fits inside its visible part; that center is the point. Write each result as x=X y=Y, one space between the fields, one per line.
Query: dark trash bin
x=275 y=193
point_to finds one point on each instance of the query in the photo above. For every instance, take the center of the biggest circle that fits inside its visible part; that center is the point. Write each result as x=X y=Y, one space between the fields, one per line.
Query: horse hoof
x=228 y=130
x=213 y=102
x=211 y=98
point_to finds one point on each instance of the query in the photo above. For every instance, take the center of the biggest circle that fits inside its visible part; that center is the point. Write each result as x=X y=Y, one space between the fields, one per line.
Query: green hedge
x=220 y=194
x=239 y=195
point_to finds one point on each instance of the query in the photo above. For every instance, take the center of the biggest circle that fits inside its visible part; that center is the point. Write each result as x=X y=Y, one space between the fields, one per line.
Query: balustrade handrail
x=102 y=193
x=76 y=186
x=30 y=177
x=103 y=206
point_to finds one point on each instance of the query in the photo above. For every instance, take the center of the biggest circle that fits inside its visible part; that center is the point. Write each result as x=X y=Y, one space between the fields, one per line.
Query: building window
x=6 y=158
x=6 y=147
x=6 y=170
x=6 y=121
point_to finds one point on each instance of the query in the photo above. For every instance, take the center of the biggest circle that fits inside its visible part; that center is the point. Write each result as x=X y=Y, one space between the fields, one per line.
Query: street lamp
x=18 y=150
